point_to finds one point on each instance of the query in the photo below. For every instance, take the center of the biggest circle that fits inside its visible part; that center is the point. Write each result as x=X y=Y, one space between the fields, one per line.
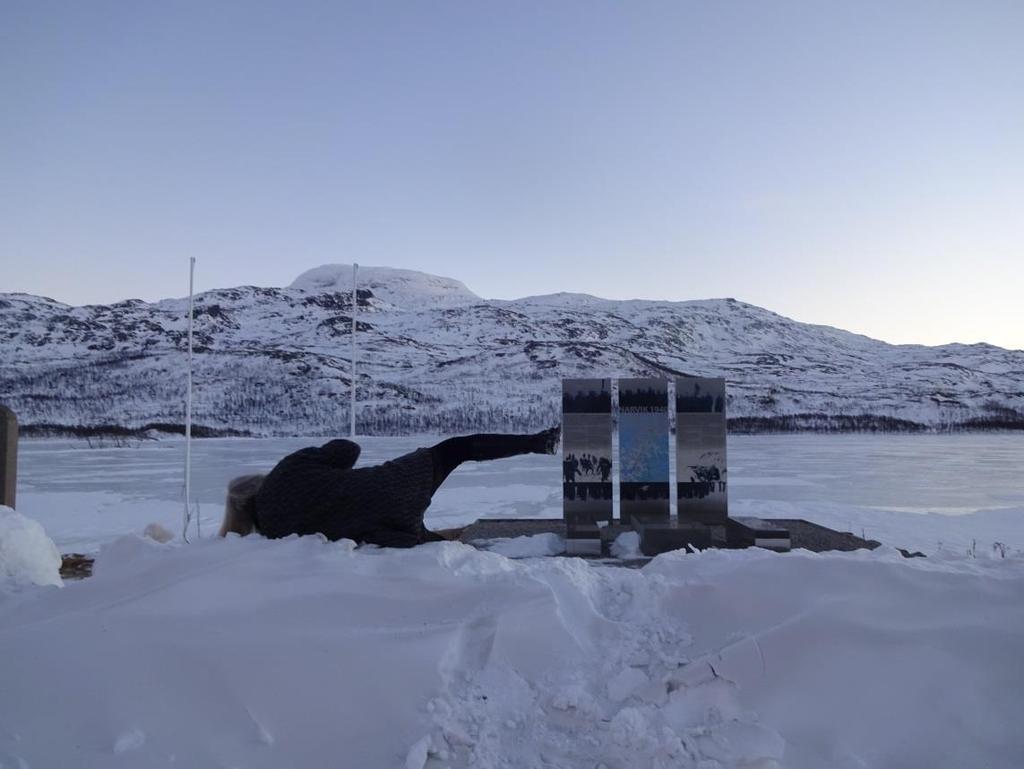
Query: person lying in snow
x=319 y=490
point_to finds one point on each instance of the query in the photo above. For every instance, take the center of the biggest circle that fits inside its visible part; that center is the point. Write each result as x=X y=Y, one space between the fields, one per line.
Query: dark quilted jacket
x=319 y=490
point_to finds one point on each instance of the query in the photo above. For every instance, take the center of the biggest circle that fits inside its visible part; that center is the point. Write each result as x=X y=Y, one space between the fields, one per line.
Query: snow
x=626 y=545
x=400 y=288
x=157 y=533
x=131 y=740
x=306 y=653
x=27 y=555
x=530 y=546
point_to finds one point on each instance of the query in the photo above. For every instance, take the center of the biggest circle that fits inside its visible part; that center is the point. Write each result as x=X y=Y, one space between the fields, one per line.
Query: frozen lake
x=947 y=474
x=880 y=484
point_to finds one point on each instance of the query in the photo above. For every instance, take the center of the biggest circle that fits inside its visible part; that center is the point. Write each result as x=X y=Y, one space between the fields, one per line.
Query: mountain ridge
x=435 y=357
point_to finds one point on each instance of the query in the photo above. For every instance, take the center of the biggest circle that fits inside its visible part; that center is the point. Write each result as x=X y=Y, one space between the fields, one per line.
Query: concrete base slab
x=660 y=536
x=803 y=534
x=583 y=547
x=746 y=531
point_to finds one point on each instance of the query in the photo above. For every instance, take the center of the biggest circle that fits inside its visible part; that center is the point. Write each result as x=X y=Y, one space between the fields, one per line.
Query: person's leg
x=450 y=453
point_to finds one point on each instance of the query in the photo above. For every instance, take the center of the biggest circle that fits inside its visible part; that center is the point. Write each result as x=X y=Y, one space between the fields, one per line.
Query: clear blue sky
x=859 y=164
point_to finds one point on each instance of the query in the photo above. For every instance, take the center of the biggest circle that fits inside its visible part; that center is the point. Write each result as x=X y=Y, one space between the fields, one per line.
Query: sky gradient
x=859 y=165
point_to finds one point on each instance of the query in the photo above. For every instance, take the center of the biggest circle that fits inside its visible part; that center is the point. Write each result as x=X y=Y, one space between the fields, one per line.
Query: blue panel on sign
x=643 y=449
x=645 y=438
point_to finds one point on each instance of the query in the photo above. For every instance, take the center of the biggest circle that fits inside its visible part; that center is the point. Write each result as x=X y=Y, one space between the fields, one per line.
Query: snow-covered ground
x=305 y=653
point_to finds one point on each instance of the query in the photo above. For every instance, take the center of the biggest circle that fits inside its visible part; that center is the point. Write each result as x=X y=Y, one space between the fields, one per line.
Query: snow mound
x=627 y=545
x=158 y=533
x=27 y=555
x=119 y=557
x=402 y=288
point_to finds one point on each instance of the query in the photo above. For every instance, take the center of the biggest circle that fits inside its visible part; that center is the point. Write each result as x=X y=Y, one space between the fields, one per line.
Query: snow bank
x=27 y=555
x=306 y=653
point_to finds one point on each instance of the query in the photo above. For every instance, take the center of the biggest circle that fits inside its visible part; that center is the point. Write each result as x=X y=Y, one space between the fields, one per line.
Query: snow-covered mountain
x=434 y=357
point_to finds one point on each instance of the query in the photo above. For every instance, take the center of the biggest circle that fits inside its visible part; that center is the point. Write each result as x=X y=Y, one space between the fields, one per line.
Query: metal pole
x=352 y=429
x=188 y=406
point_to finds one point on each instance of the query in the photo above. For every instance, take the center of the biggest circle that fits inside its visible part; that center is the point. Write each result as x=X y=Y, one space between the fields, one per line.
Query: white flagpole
x=352 y=428
x=188 y=407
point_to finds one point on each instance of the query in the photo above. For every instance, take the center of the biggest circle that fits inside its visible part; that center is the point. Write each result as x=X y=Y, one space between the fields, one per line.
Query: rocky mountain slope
x=434 y=357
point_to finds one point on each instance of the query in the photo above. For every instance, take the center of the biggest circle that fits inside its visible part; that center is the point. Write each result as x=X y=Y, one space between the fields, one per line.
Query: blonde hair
x=240 y=505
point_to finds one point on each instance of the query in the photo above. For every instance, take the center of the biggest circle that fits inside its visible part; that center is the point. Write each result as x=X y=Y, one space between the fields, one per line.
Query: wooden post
x=8 y=456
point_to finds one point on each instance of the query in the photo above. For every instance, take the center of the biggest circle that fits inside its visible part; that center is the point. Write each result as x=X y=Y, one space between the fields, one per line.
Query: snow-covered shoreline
x=926 y=493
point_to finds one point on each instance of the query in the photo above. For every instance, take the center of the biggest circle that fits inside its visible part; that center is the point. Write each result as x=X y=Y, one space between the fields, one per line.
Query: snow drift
x=304 y=653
